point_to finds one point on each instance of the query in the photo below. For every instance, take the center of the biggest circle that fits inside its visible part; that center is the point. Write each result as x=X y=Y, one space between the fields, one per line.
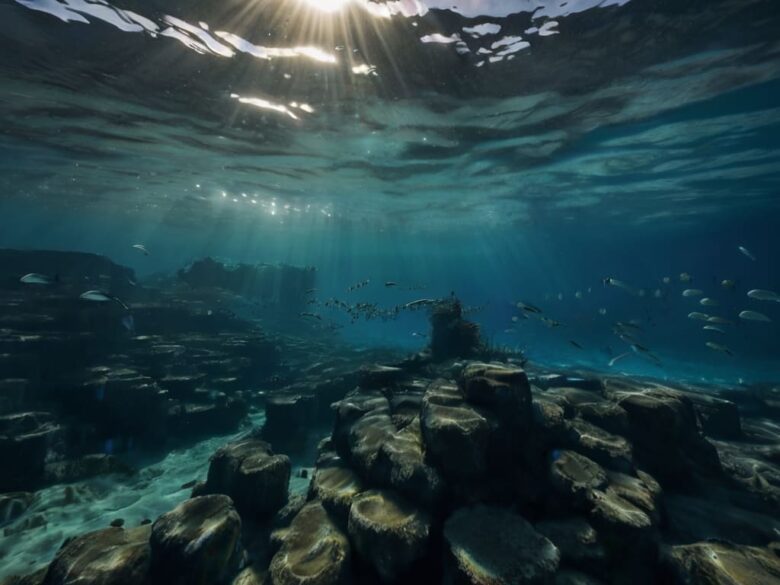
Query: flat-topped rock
x=313 y=551
x=113 y=556
x=611 y=451
x=250 y=473
x=576 y=477
x=721 y=563
x=388 y=532
x=197 y=542
x=456 y=435
x=335 y=485
x=377 y=376
x=493 y=546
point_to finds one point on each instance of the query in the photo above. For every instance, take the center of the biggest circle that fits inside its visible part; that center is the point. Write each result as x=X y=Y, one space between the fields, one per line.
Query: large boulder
x=250 y=473
x=665 y=435
x=314 y=551
x=720 y=563
x=335 y=485
x=456 y=435
x=611 y=451
x=576 y=477
x=500 y=388
x=388 y=532
x=282 y=413
x=197 y=543
x=113 y=556
x=493 y=546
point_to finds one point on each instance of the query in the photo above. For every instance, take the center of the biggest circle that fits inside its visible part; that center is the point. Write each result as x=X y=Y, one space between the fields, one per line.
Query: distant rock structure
x=280 y=285
x=452 y=336
x=82 y=382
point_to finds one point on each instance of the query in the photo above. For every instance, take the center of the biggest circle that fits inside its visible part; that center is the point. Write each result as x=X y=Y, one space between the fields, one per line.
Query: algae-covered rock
x=575 y=477
x=197 y=543
x=388 y=532
x=720 y=563
x=313 y=551
x=456 y=435
x=250 y=473
x=493 y=546
x=335 y=485
x=113 y=556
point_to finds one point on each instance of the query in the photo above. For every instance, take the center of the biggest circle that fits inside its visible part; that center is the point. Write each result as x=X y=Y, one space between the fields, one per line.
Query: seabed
x=191 y=445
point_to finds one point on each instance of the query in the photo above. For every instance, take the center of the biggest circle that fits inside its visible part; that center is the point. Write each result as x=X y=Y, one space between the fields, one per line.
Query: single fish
x=692 y=292
x=699 y=316
x=617 y=358
x=419 y=302
x=726 y=283
x=390 y=283
x=310 y=291
x=609 y=281
x=99 y=296
x=718 y=347
x=721 y=320
x=746 y=252
x=629 y=325
x=575 y=344
x=560 y=296
x=666 y=280
x=515 y=319
x=754 y=316
x=602 y=311
x=529 y=308
x=550 y=322
x=685 y=277
x=35 y=278
x=641 y=350
x=708 y=302
x=657 y=293
x=764 y=295
x=713 y=328
x=311 y=315
x=578 y=295
x=141 y=248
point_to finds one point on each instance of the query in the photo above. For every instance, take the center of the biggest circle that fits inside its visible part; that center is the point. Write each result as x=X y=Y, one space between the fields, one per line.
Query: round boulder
x=388 y=532
x=113 y=556
x=197 y=543
x=493 y=546
x=313 y=551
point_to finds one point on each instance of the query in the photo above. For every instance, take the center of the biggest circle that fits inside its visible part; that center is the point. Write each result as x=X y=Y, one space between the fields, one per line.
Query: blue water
x=586 y=149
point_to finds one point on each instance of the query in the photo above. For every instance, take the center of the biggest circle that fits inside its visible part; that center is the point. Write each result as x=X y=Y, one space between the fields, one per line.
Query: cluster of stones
x=479 y=478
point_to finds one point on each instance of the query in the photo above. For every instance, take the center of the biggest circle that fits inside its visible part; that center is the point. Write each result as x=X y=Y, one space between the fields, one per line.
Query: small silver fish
x=657 y=293
x=390 y=284
x=685 y=277
x=141 y=248
x=692 y=292
x=746 y=252
x=699 y=316
x=617 y=358
x=720 y=320
x=35 y=278
x=99 y=296
x=718 y=347
x=764 y=295
x=617 y=283
x=708 y=302
x=726 y=283
x=575 y=344
x=578 y=294
x=666 y=280
x=713 y=328
x=528 y=307
x=602 y=311
x=754 y=316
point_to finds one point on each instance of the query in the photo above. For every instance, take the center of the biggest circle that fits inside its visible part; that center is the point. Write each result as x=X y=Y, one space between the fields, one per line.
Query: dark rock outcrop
x=495 y=546
x=196 y=543
x=388 y=532
x=250 y=473
x=113 y=556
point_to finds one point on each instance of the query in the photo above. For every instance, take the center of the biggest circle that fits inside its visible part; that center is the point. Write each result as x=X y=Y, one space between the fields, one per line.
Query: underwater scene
x=346 y=292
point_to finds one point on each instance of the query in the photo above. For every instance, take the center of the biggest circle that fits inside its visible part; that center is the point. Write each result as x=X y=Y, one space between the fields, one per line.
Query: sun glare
x=328 y=5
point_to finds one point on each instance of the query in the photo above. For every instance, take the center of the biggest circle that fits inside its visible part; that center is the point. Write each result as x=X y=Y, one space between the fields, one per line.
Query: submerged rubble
x=450 y=467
